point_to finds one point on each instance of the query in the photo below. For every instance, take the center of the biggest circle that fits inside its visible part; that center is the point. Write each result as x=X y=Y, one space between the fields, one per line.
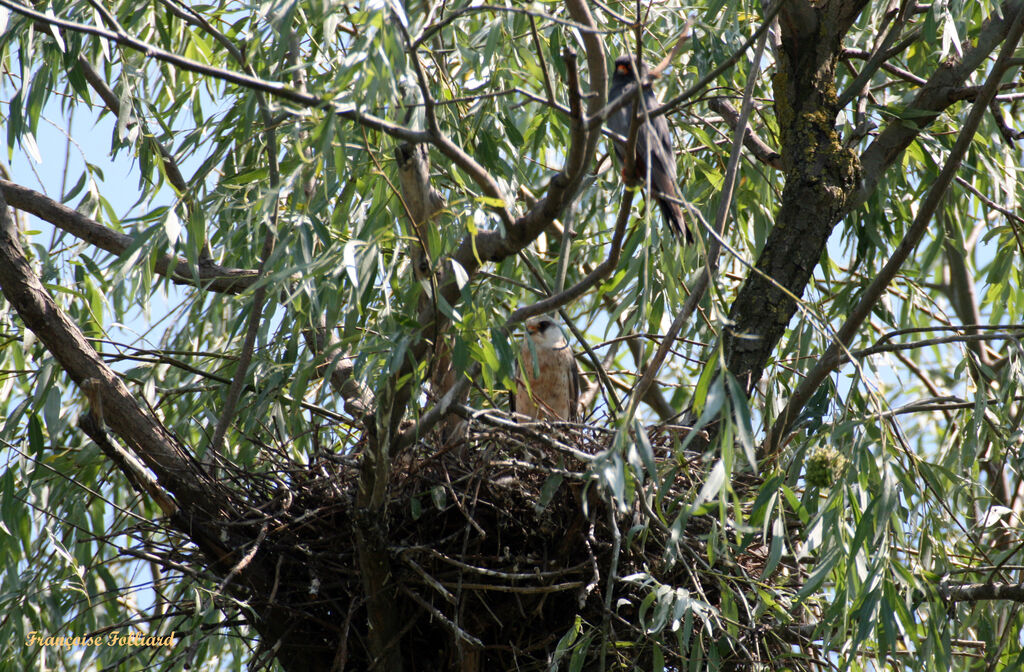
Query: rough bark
x=821 y=176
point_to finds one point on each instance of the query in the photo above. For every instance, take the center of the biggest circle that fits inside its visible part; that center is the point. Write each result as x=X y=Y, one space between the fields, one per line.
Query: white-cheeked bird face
x=545 y=332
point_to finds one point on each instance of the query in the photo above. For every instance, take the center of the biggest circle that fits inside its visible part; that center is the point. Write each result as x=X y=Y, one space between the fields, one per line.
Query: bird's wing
x=664 y=180
x=654 y=147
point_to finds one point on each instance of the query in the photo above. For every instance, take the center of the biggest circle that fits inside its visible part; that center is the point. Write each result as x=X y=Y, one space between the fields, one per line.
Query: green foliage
x=923 y=439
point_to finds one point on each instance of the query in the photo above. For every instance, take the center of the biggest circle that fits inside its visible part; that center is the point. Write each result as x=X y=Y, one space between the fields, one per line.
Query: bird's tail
x=673 y=215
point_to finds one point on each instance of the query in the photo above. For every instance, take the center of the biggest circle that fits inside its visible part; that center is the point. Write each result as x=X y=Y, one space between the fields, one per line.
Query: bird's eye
x=544 y=324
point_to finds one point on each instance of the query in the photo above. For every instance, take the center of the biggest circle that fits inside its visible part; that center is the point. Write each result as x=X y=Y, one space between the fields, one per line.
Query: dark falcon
x=654 y=153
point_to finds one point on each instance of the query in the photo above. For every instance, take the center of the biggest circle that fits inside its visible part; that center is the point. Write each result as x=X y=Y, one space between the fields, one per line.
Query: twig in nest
x=490 y=417
x=523 y=590
x=458 y=503
x=456 y=630
x=431 y=581
x=246 y=559
x=513 y=576
x=595 y=579
x=530 y=466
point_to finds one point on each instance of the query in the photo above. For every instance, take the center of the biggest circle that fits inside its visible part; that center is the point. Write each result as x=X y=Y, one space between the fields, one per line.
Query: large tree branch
x=209 y=276
x=821 y=175
x=175 y=469
x=821 y=182
x=975 y=592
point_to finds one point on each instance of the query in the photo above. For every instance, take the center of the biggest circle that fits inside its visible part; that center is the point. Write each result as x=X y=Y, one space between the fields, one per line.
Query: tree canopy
x=254 y=398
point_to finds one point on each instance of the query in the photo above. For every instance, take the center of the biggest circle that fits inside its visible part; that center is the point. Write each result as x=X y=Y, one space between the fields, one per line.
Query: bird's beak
x=532 y=328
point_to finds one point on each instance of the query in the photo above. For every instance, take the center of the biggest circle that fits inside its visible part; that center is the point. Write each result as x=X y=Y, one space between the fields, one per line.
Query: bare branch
x=975 y=592
x=592 y=278
x=751 y=140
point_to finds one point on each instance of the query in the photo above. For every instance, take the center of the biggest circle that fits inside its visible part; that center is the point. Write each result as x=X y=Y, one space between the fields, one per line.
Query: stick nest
x=498 y=546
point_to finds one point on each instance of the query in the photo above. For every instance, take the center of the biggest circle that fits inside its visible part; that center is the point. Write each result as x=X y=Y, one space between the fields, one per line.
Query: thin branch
x=896 y=347
x=447 y=622
x=238 y=382
x=943 y=404
x=541 y=61
x=753 y=142
x=438 y=412
x=850 y=53
x=602 y=270
x=674 y=103
x=877 y=59
x=112 y=102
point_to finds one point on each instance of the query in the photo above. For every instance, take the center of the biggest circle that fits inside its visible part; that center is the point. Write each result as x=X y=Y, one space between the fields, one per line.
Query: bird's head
x=545 y=332
x=625 y=69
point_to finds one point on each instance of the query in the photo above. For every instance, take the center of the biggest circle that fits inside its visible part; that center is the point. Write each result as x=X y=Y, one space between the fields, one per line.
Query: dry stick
x=833 y=355
x=447 y=622
x=711 y=265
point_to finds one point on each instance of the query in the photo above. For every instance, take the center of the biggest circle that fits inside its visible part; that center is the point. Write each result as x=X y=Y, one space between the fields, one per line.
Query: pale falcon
x=547 y=378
